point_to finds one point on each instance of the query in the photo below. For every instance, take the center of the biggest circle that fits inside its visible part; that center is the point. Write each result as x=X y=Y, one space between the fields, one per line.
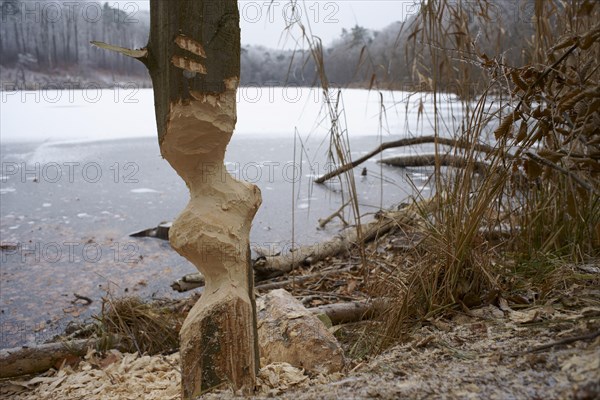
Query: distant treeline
x=48 y=36
x=53 y=38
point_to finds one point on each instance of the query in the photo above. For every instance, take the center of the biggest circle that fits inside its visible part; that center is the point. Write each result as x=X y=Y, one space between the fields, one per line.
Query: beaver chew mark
x=188 y=65
x=189 y=44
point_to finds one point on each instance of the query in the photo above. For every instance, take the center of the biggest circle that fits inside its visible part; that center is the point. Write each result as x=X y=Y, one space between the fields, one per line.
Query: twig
x=569 y=340
x=84 y=298
x=325 y=221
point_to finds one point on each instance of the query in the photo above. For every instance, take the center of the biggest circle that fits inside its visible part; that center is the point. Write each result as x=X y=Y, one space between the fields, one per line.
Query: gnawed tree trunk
x=193 y=56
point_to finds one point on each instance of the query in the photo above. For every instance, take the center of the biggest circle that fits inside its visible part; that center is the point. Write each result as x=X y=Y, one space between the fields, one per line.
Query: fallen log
x=430 y=160
x=406 y=142
x=30 y=360
x=273 y=266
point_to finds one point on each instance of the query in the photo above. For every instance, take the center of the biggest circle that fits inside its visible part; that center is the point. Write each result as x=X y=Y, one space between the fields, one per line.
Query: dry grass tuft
x=151 y=328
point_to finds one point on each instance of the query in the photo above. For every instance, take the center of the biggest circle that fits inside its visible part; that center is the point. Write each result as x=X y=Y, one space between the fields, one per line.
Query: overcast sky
x=263 y=22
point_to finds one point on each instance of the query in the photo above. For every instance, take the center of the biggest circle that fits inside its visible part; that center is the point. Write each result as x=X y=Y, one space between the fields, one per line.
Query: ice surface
x=104 y=114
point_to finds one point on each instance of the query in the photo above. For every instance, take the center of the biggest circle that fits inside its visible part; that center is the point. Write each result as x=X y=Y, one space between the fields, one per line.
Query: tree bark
x=193 y=56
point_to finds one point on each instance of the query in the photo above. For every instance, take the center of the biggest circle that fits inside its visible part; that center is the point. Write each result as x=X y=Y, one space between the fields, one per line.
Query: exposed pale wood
x=140 y=54
x=289 y=332
x=401 y=143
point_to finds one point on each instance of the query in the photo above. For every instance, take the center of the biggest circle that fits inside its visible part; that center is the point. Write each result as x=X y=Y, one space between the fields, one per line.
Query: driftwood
x=30 y=360
x=188 y=282
x=429 y=160
x=272 y=266
x=405 y=142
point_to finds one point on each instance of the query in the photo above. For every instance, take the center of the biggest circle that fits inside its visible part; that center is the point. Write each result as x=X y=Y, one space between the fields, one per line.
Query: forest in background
x=49 y=44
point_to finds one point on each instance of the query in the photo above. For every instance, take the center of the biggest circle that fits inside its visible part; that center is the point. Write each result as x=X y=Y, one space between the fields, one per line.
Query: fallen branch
x=188 y=282
x=86 y=299
x=430 y=160
x=300 y=279
x=405 y=142
x=273 y=266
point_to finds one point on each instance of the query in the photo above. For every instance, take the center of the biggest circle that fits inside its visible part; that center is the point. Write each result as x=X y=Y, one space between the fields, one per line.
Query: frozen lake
x=82 y=169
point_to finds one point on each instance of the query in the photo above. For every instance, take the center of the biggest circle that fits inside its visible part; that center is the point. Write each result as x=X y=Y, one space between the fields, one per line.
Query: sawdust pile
x=115 y=376
x=128 y=376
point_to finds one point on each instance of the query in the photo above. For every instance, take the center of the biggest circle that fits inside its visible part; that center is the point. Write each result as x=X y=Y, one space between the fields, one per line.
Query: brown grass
x=144 y=327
